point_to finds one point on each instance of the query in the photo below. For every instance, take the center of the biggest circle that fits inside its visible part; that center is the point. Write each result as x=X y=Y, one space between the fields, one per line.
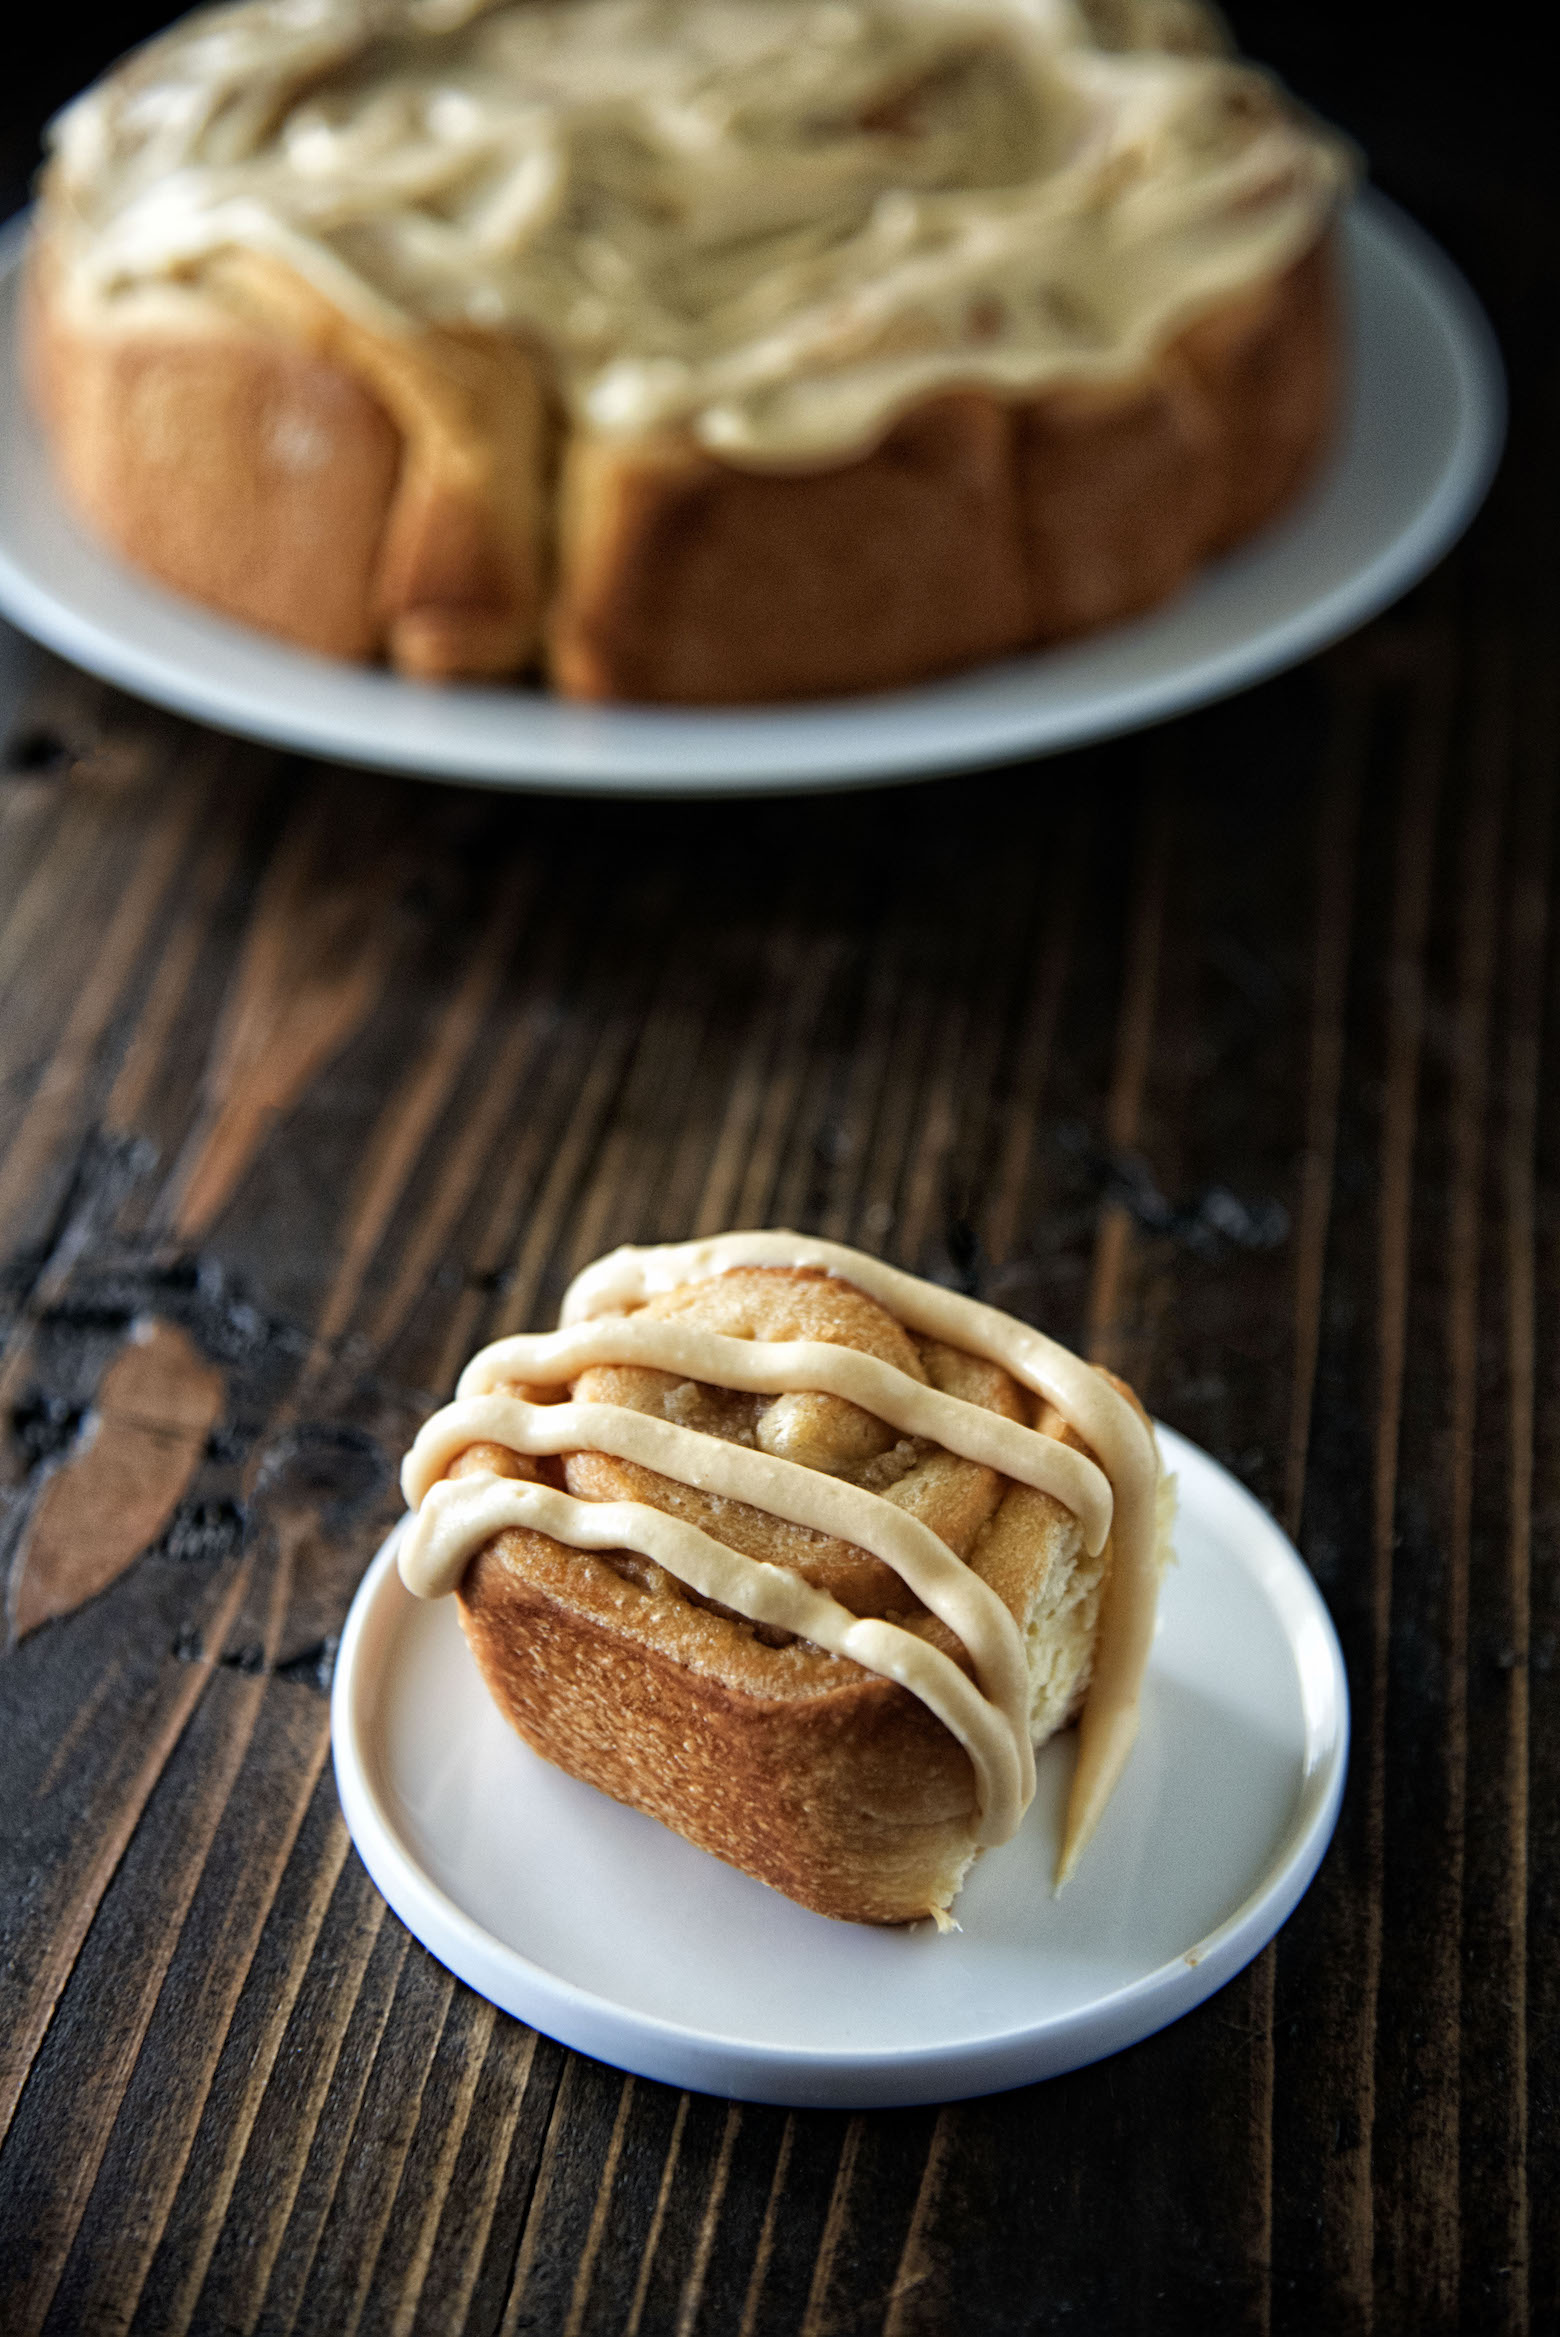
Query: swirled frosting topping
x=604 y=1323
x=773 y=224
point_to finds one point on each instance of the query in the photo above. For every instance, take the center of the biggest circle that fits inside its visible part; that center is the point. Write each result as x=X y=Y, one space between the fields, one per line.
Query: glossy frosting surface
x=771 y=223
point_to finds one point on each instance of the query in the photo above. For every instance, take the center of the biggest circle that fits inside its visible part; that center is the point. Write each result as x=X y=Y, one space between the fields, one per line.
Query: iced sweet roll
x=685 y=350
x=802 y=1556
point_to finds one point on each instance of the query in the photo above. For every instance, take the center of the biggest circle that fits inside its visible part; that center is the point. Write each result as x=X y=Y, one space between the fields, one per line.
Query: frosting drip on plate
x=1116 y=1498
x=773 y=224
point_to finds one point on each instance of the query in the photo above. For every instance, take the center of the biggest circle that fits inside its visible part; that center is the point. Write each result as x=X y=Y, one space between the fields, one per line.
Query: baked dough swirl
x=614 y=1321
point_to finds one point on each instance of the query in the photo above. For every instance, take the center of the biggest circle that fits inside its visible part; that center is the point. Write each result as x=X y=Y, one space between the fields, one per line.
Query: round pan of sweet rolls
x=803 y=1556
x=707 y=351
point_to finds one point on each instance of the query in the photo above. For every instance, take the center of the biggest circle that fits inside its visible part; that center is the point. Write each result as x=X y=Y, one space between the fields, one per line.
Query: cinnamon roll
x=691 y=350
x=803 y=1556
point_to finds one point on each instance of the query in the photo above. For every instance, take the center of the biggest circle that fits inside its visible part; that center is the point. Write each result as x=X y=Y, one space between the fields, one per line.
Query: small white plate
x=1420 y=444
x=599 y=1927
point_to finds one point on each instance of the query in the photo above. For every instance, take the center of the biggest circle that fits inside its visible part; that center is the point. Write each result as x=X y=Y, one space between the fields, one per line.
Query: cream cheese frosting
x=1117 y=1498
x=770 y=224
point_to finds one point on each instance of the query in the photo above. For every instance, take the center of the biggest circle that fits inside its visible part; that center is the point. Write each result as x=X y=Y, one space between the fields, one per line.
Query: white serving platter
x=596 y=1925
x=1425 y=420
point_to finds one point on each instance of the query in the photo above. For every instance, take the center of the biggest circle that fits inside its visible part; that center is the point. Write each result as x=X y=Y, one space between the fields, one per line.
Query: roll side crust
x=836 y=1788
x=977 y=526
x=250 y=476
x=1270 y=365
x=681 y=578
x=827 y=1783
x=367 y=497
x=259 y=452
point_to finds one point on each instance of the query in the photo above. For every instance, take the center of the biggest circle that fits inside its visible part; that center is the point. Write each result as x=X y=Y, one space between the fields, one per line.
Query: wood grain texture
x=1229 y=1050
x=134 y=1452
x=241 y=2097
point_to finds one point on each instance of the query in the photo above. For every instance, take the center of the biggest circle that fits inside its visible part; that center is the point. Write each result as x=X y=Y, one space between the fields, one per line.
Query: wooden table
x=313 y=1080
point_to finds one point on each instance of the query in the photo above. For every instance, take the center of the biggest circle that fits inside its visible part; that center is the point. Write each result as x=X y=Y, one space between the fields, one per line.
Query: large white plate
x=1423 y=433
x=596 y=1925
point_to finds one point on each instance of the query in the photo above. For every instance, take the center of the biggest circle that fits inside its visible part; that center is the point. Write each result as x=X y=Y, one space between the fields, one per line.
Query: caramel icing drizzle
x=459 y=1515
x=771 y=224
x=989 y=1716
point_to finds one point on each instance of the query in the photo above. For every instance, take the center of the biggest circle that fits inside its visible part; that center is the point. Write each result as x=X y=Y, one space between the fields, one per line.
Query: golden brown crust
x=682 y=579
x=1270 y=363
x=366 y=496
x=1125 y=495
x=849 y=1798
x=977 y=526
x=258 y=451
x=251 y=476
x=829 y=1783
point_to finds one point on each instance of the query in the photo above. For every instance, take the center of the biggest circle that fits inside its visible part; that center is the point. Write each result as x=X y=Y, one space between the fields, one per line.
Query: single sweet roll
x=801 y=1555
x=691 y=350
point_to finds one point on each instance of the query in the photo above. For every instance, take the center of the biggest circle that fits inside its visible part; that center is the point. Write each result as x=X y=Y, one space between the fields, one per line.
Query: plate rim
x=669 y=2051
x=775 y=750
